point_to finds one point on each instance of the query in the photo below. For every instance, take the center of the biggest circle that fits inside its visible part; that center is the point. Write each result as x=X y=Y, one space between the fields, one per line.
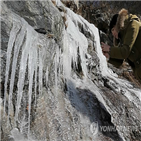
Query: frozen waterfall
x=68 y=116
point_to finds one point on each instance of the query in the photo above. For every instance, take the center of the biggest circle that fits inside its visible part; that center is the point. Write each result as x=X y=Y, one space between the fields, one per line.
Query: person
x=126 y=31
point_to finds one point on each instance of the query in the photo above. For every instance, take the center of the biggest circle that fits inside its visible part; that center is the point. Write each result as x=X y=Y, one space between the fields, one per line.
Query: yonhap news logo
x=94 y=128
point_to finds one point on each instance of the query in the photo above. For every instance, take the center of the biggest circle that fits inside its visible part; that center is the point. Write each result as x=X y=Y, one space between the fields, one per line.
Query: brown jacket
x=129 y=27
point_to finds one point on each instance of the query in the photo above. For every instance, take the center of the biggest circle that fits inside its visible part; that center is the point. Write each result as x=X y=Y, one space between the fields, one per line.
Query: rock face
x=55 y=81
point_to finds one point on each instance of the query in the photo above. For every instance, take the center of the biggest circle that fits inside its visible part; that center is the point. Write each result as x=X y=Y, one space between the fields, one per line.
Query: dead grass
x=54 y=2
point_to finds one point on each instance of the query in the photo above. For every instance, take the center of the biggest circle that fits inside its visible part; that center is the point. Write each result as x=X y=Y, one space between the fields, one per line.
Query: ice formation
x=24 y=38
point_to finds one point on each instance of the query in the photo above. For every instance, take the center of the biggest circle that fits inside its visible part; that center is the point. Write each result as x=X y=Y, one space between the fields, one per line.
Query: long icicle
x=11 y=41
x=31 y=73
x=40 y=71
x=35 y=78
x=22 y=70
x=18 y=44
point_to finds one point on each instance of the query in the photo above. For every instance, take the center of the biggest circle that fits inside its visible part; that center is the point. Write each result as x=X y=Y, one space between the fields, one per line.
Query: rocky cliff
x=55 y=82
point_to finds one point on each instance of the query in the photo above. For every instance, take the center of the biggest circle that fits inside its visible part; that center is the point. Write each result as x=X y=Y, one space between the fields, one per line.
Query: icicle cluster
x=31 y=48
x=21 y=39
x=25 y=42
x=29 y=53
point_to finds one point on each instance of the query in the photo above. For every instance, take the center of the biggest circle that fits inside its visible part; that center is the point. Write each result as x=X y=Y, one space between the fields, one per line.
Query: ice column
x=12 y=38
x=21 y=39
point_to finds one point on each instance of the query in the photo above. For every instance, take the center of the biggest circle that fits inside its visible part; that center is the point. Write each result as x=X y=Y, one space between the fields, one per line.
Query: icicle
x=57 y=54
x=22 y=70
x=18 y=44
x=83 y=60
x=75 y=39
x=60 y=63
x=55 y=71
x=11 y=41
x=35 y=78
x=56 y=74
x=57 y=64
x=31 y=64
x=46 y=76
x=40 y=72
x=74 y=53
x=66 y=57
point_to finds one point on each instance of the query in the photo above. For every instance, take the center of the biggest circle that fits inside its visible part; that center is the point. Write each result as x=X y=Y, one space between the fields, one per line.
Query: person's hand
x=106 y=54
x=105 y=47
x=105 y=50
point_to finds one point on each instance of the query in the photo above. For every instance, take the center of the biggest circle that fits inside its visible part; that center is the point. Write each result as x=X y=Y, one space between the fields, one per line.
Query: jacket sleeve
x=116 y=62
x=123 y=51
